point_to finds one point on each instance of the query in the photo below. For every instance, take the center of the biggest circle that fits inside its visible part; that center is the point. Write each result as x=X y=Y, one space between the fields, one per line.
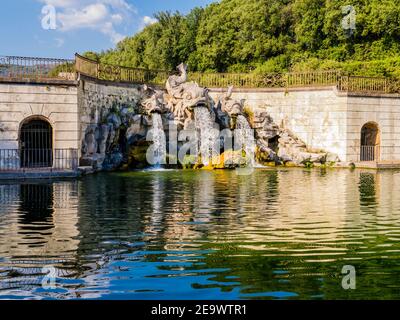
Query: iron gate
x=36 y=144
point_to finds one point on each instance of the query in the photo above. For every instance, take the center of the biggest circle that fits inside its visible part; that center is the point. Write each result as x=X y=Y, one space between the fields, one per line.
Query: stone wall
x=318 y=117
x=327 y=119
x=108 y=112
x=97 y=99
x=322 y=117
x=382 y=110
x=56 y=103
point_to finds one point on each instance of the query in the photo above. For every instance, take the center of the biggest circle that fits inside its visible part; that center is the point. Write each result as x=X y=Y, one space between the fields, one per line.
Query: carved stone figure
x=153 y=101
x=117 y=135
x=183 y=96
x=229 y=105
x=176 y=80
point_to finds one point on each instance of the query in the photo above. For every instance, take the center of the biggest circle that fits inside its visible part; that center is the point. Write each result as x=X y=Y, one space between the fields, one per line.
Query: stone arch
x=36 y=142
x=370 y=142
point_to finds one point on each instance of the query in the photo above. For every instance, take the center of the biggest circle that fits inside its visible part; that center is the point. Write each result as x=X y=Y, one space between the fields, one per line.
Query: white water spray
x=159 y=147
x=245 y=140
x=207 y=135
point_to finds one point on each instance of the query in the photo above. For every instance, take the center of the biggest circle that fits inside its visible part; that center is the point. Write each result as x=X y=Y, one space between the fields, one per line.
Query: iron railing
x=339 y=79
x=317 y=78
x=238 y=80
x=370 y=153
x=367 y=84
x=44 y=68
x=115 y=73
x=377 y=153
x=36 y=68
x=273 y=80
x=38 y=159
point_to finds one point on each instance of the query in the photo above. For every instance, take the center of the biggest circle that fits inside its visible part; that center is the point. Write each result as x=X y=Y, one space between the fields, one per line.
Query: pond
x=274 y=234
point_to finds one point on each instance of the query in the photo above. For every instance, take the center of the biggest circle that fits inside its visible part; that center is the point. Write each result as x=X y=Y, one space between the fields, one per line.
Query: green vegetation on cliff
x=269 y=36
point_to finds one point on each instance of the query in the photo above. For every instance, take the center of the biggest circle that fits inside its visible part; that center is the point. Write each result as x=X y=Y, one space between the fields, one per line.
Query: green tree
x=269 y=36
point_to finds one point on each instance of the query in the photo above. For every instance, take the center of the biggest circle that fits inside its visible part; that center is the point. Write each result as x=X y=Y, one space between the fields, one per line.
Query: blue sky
x=80 y=25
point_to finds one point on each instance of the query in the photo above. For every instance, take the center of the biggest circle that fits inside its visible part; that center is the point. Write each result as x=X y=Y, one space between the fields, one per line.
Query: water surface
x=276 y=234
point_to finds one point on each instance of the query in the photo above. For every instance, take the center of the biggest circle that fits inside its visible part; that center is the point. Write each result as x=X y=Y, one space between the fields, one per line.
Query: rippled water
x=203 y=235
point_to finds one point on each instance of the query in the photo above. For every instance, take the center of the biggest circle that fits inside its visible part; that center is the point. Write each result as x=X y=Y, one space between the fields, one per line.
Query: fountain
x=184 y=96
x=230 y=106
x=244 y=140
x=159 y=147
x=154 y=106
x=207 y=137
x=195 y=123
x=244 y=134
x=187 y=101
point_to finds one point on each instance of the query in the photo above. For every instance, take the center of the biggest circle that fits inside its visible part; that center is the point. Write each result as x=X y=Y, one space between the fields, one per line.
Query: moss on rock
x=137 y=157
x=189 y=162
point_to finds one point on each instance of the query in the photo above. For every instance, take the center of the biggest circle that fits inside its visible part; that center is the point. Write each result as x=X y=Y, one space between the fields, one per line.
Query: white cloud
x=117 y=18
x=148 y=20
x=121 y=4
x=91 y=16
x=99 y=15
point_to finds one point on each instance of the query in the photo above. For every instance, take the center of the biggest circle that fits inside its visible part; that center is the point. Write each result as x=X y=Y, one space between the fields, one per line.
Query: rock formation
x=276 y=144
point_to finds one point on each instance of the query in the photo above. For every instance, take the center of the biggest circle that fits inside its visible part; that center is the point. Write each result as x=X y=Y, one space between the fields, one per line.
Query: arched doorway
x=370 y=141
x=36 y=144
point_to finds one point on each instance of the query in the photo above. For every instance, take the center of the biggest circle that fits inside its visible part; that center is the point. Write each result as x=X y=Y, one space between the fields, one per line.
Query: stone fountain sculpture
x=153 y=101
x=183 y=96
x=117 y=136
x=227 y=109
x=230 y=106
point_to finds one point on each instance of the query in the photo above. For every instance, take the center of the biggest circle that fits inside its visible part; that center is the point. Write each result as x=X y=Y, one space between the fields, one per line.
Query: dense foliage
x=269 y=36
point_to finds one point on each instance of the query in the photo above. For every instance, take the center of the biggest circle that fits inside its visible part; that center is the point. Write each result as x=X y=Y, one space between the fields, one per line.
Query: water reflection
x=36 y=232
x=367 y=189
x=203 y=235
x=36 y=206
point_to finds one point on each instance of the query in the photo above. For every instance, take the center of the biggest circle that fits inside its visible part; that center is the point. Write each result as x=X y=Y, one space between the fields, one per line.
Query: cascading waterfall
x=245 y=140
x=159 y=140
x=207 y=136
